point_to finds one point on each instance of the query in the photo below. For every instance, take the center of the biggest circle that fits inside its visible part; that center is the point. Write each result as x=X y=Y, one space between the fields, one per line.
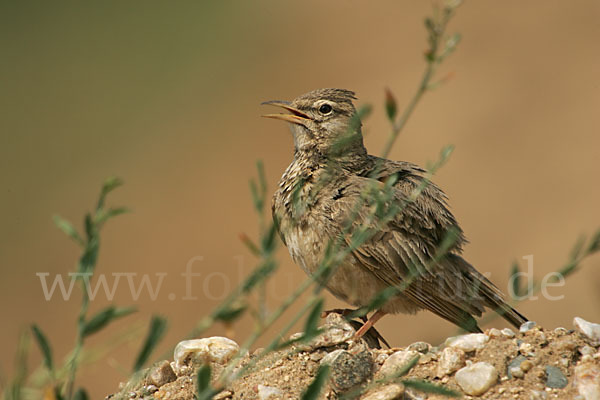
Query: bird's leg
x=369 y=324
x=342 y=311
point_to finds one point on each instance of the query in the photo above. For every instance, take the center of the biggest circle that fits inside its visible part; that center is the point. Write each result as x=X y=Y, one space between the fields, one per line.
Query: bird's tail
x=490 y=295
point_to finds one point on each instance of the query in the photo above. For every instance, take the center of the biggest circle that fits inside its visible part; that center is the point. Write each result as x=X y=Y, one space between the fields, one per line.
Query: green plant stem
x=70 y=383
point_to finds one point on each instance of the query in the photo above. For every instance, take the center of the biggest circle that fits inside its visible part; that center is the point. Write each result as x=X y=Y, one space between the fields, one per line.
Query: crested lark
x=330 y=183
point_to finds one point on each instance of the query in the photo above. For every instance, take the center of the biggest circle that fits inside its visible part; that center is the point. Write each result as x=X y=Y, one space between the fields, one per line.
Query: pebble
x=348 y=370
x=589 y=329
x=225 y=394
x=421 y=347
x=161 y=373
x=587 y=380
x=269 y=392
x=396 y=362
x=494 y=333
x=516 y=372
x=527 y=326
x=388 y=392
x=215 y=349
x=515 y=364
x=526 y=349
x=451 y=359
x=508 y=332
x=560 y=331
x=476 y=379
x=555 y=378
x=336 y=330
x=587 y=350
x=469 y=342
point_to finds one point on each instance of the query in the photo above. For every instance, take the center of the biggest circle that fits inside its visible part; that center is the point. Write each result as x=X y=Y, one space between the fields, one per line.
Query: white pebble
x=589 y=329
x=451 y=359
x=396 y=362
x=215 y=349
x=508 y=332
x=587 y=380
x=527 y=326
x=268 y=392
x=477 y=378
x=526 y=349
x=470 y=342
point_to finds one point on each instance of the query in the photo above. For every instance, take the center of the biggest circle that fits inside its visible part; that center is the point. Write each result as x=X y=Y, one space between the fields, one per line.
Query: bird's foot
x=369 y=323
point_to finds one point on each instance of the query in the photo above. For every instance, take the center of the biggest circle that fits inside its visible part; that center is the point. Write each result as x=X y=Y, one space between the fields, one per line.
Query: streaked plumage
x=320 y=191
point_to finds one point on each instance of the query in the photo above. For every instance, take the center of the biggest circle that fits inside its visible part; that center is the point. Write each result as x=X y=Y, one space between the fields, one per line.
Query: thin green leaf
x=428 y=387
x=109 y=185
x=259 y=275
x=250 y=244
x=268 y=239
x=577 y=248
x=515 y=278
x=90 y=228
x=312 y=321
x=103 y=216
x=594 y=245
x=45 y=348
x=256 y=197
x=204 y=390
x=390 y=105
x=87 y=262
x=262 y=178
x=156 y=331
x=231 y=313
x=68 y=229
x=104 y=317
x=313 y=390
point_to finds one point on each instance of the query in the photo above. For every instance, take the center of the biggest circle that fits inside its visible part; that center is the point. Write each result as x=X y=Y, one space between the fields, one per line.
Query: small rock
x=560 y=331
x=515 y=364
x=587 y=350
x=215 y=349
x=451 y=359
x=589 y=329
x=555 y=378
x=348 y=370
x=225 y=394
x=476 y=379
x=508 y=332
x=421 y=347
x=269 y=392
x=587 y=380
x=469 y=342
x=527 y=326
x=149 y=389
x=388 y=392
x=494 y=333
x=336 y=330
x=161 y=373
x=516 y=372
x=396 y=362
x=526 y=349
x=526 y=365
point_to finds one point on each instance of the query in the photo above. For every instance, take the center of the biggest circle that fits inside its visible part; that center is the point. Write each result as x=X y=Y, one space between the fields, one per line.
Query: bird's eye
x=325 y=109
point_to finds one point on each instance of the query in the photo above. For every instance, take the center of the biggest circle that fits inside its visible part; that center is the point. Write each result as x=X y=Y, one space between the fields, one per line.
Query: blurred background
x=166 y=95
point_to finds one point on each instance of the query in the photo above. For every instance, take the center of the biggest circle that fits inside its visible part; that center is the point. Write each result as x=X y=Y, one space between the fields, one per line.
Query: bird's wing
x=404 y=233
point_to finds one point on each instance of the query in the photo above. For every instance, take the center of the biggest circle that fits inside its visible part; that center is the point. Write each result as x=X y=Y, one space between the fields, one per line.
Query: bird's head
x=322 y=121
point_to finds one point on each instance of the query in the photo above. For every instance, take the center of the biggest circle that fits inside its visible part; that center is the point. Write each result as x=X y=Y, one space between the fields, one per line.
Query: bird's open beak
x=296 y=116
